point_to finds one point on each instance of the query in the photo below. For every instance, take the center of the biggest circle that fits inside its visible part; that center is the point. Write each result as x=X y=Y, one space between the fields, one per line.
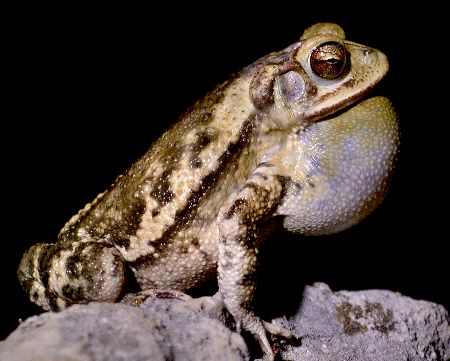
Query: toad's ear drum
x=342 y=168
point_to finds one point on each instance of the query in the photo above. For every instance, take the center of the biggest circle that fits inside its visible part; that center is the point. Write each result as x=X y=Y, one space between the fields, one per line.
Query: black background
x=88 y=90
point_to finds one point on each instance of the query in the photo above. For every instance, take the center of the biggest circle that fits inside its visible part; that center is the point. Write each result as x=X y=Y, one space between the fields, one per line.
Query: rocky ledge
x=368 y=325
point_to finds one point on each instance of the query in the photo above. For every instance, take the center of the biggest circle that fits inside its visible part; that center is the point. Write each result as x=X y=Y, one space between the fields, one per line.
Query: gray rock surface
x=368 y=325
x=161 y=329
x=364 y=326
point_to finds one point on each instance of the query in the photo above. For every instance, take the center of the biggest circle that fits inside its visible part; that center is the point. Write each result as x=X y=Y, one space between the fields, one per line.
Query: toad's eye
x=328 y=60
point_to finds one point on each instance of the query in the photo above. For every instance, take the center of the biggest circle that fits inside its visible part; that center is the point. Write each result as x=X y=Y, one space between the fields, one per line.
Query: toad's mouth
x=344 y=106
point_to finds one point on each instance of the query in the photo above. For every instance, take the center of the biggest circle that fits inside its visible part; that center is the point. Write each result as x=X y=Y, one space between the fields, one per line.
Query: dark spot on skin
x=234 y=208
x=170 y=154
x=206 y=117
x=261 y=88
x=203 y=139
x=195 y=242
x=184 y=248
x=162 y=191
x=77 y=264
x=72 y=270
x=35 y=295
x=205 y=255
x=156 y=212
x=166 y=294
x=196 y=162
x=48 y=253
x=46 y=256
x=131 y=218
x=265 y=164
x=128 y=224
x=73 y=293
x=297 y=185
x=52 y=300
x=122 y=242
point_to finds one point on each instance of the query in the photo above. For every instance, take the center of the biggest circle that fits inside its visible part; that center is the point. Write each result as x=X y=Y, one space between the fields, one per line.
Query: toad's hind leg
x=58 y=275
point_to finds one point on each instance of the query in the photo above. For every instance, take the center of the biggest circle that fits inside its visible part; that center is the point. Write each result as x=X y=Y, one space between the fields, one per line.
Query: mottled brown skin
x=202 y=199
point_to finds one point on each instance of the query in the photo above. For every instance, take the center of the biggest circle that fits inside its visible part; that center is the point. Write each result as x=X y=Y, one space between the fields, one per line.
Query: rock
x=161 y=329
x=364 y=325
x=369 y=325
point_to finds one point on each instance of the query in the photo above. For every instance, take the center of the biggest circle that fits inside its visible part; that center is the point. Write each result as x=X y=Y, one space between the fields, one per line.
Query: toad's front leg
x=243 y=228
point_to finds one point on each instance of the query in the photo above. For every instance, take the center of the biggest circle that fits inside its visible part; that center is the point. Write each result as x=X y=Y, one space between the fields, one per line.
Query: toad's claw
x=259 y=329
